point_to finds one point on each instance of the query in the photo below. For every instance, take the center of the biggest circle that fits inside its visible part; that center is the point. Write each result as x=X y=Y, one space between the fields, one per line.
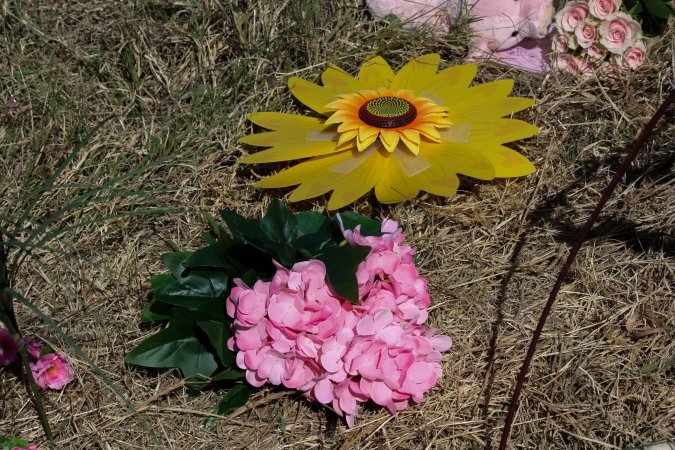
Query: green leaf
x=369 y=227
x=10 y=442
x=279 y=224
x=310 y=222
x=314 y=243
x=235 y=397
x=664 y=364
x=175 y=346
x=272 y=235
x=341 y=264
x=228 y=374
x=200 y=290
x=243 y=230
x=658 y=8
x=174 y=261
x=218 y=333
x=212 y=256
x=246 y=257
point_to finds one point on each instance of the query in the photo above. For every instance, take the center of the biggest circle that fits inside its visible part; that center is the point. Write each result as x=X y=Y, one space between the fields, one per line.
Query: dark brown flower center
x=387 y=112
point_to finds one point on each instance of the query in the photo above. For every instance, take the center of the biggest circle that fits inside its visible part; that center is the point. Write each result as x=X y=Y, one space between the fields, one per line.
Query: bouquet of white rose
x=594 y=36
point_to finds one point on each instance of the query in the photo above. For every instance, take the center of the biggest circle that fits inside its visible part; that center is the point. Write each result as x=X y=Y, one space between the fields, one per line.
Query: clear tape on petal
x=411 y=164
x=439 y=101
x=352 y=163
x=456 y=133
x=313 y=136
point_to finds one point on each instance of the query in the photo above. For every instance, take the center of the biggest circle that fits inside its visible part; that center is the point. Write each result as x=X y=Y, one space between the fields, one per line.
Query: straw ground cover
x=176 y=80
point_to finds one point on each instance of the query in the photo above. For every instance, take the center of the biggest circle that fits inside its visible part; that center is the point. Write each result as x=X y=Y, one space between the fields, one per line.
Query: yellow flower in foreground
x=398 y=133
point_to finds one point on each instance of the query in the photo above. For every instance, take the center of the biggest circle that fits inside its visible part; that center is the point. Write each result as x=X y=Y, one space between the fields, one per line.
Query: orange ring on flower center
x=387 y=112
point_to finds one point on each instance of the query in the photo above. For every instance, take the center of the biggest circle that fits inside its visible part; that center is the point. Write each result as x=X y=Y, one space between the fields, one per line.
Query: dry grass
x=178 y=78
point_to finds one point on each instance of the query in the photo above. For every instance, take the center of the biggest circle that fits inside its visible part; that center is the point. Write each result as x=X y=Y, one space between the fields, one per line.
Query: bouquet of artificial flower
x=595 y=36
x=333 y=307
x=295 y=331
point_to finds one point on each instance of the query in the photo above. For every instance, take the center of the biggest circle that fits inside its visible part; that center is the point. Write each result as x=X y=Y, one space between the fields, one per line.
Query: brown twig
x=583 y=234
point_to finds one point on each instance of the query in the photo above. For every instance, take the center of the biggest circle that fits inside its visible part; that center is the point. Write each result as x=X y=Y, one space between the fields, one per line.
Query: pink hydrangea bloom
x=52 y=371
x=8 y=349
x=296 y=332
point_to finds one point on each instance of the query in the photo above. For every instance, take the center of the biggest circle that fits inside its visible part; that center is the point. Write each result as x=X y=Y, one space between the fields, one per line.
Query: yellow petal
x=459 y=158
x=376 y=73
x=499 y=88
x=284 y=149
x=389 y=139
x=417 y=74
x=339 y=80
x=312 y=95
x=316 y=186
x=411 y=139
x=394 y=185
x=303 y=171
x=367 y=136
x=507 y=162
x=429 y=131
x=347 y=135
x=449 y=83
x=494 y=107
x=356 y=183
x=499 y=131
x=281 y=121
x=444 y=186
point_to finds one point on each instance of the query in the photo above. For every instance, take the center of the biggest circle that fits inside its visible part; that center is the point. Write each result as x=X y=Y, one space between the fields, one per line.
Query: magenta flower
x=296 y=332
x=52 y=371
x=33 y=348
x=8 y=349
x=30 y=447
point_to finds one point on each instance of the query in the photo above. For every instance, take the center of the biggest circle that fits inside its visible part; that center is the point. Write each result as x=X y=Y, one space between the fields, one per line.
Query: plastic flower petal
x=52 y=371
x=397 y=133
x=8 y=349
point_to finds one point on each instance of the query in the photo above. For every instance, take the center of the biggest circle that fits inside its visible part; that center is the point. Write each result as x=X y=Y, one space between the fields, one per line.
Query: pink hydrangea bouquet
x=297 y=332
x=595 y=36
x=332 y=307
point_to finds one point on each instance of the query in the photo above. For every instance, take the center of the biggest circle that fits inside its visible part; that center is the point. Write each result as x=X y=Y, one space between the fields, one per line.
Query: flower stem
x=583 y=234
x=33 y=388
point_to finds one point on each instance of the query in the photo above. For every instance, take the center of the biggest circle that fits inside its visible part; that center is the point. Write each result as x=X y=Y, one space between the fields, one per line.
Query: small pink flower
x=560 y=43
x=33 y=348
x=634 y=56
x=570 y=16
x=52 y=371
x=586 y=67
x=596 y=52
x=8 y=349
x=618 y=32
x=565 y=62
x=30 y=447
x=613 y=71
x=585 y=34
x=601 y=9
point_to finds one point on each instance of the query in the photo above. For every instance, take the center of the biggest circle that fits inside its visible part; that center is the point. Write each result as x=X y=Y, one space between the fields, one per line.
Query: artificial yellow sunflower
x=399 y=133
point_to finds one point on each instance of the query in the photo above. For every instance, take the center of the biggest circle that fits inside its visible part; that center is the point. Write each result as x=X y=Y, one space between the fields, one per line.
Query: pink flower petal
x=419 y=372
x=441 y=343
x=366 y=326
x=323 y=391
x=381 y=393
